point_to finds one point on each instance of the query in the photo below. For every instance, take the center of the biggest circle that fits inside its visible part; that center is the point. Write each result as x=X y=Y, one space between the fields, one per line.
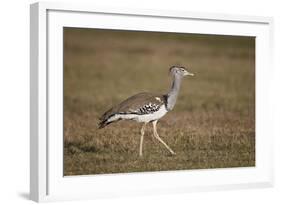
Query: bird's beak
x=188 y=73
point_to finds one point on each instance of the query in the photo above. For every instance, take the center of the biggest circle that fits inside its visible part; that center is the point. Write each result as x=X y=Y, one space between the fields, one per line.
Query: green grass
x=212 y=125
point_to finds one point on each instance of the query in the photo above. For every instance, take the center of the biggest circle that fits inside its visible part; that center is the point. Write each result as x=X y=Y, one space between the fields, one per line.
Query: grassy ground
x=212 y=125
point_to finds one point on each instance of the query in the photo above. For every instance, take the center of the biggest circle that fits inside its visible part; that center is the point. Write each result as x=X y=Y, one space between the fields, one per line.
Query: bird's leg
x=157 y=137
x=141 y=138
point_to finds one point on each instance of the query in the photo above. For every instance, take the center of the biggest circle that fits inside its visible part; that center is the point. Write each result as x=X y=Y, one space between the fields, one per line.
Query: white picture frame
x=47 y=182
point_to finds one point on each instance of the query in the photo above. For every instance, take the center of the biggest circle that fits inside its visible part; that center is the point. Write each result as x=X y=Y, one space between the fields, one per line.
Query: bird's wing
x=142 y=103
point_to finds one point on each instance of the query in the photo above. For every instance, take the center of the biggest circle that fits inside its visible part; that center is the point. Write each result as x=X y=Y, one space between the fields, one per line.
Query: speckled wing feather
x=142 y=103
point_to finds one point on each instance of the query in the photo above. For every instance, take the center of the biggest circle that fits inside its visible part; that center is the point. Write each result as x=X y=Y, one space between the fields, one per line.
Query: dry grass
x=212 y=125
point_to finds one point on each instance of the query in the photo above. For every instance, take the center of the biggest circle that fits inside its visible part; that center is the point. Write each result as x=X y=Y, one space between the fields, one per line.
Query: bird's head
x=180 y=71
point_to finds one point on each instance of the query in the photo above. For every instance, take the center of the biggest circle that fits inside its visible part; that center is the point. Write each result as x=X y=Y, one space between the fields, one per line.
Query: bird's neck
x=173 y=93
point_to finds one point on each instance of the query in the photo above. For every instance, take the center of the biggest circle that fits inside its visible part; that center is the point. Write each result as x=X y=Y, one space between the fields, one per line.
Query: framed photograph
x=129 y=102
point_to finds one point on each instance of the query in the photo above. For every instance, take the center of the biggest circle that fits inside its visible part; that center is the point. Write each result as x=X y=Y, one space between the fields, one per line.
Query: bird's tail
x=103 y=123
x=107 y=119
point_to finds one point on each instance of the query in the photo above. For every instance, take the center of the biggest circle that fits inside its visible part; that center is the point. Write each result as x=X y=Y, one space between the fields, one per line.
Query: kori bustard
x=147 y=107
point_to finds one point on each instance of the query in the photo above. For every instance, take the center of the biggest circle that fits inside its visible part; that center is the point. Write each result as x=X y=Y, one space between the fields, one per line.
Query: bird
x=147 y=107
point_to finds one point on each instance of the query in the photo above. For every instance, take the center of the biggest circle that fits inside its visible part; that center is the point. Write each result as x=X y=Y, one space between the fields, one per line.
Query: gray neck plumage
x=173 y=93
